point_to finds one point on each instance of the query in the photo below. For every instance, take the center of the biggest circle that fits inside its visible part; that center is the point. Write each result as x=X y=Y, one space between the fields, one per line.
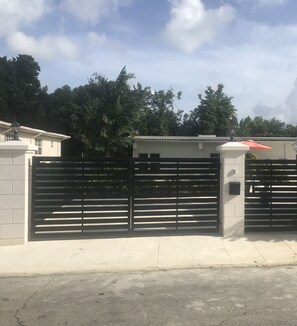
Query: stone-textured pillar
x=15 y=159
x=232 y=170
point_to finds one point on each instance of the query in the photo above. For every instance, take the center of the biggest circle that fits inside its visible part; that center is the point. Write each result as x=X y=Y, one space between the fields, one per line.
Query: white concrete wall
x=51 y=146
x=175 y=149
x=14 y=192
x=280 y=150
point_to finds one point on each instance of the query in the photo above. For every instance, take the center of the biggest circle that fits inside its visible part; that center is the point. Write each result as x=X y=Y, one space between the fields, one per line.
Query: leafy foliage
x=215 y=114
x=265 y=128
x=105 y=119
x=21 y=96
x=160 y=116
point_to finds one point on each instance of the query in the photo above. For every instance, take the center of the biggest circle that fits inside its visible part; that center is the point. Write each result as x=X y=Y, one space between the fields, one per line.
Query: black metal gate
x=176 y=194
x=90 y=197
x=271 y=195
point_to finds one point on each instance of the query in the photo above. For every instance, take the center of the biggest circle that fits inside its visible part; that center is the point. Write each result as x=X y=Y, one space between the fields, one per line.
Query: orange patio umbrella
x=253 y=145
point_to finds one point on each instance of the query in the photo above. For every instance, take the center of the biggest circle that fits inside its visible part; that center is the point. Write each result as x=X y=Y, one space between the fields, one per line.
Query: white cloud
x=14 y=13
x=268 y=3
x=291 y=104
x=191 y=25
x=264 y=3
x=269 y=112
x=91 y=11
x=45 y=47
x=96 y=39
x=286 y=111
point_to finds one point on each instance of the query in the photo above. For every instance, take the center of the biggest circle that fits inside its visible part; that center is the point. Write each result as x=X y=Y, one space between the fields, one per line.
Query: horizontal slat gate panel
x=176 y=195
x=76 y=197
x=271 y=195
x=85 y=197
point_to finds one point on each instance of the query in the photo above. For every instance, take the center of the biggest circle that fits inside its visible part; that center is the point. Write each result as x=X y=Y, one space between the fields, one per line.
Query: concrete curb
x=147 y=270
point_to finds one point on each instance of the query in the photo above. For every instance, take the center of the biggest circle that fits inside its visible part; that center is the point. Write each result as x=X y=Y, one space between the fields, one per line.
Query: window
x=149 y=166
x=38 y=143
x=214 y=155
x=155 y=156
x=143 y=155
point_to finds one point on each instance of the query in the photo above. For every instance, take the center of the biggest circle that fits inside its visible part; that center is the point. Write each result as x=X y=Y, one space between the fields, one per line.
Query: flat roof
x=35 y=131
x=209 y=138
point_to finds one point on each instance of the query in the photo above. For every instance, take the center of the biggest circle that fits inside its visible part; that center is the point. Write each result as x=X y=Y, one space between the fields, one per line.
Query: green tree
x=58 y=109
x=21 y=95
x=106 y=114
x=102 y=116
x=214 y=115
x=160 y=116
x=260 y=127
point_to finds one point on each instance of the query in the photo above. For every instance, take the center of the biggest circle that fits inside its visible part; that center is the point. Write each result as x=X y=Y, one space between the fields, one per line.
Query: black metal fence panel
x=86 y=197
x=271 y=195
x=174 y=194
x=76 y=197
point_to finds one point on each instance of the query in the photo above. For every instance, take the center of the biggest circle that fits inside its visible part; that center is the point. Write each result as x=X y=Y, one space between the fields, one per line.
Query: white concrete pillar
x=15 y=159
x=232 y=170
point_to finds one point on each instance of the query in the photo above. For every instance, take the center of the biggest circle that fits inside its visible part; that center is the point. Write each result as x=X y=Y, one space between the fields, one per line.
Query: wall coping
x=233 y=146
x=17 y=145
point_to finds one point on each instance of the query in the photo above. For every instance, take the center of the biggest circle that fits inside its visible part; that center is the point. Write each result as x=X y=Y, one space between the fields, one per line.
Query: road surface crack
x=24 y=306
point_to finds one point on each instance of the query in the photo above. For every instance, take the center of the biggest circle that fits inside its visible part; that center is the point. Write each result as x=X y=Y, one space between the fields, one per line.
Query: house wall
x=50 y=146
x=280 y=149
x=174 y=149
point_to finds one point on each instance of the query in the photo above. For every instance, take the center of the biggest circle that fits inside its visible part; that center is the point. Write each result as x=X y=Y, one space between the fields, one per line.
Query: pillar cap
x=17 y=145
x=233 y=146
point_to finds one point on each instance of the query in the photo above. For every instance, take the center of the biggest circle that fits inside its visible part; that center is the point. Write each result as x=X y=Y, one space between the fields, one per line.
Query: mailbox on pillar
x=234 y=188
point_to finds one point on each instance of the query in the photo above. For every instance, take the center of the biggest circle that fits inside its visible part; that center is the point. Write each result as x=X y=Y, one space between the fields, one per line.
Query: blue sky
x=248 y=45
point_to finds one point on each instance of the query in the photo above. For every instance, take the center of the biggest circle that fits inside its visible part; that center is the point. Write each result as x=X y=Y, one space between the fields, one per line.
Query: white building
x=48 y=143
x=205 y=146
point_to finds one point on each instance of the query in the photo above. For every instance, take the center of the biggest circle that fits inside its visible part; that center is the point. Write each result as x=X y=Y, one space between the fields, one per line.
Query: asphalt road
x=210 y=296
